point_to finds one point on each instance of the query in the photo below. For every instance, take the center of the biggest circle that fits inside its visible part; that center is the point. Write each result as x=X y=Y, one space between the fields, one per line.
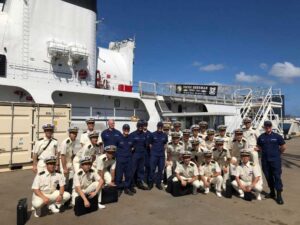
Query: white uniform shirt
x=67 y=148
x=247 y=172
x=209 y=169
x=251 y=136
x=88 y=150
x=175 y=150
x=187 y=171
x=105 y=164
x=227 y=141
x=41 y=145
x=83 y=180
x=210 y=144
x=84 y=138
x=47 y=182
x=237 y=146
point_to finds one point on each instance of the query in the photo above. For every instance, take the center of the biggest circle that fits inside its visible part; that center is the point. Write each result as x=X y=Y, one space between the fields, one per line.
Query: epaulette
x=234 y=140
x=180 y=143
x=54 y=139
x=212 y=161
x=68 y=141
x=214 y=149
x=228 y=135
x=203 y=164
x=97 y=145
x=253 y=128
x=91 y=170
x=84 y=132
x=90 y=146
x=104 y=159
x=251 y=163
x=79 y=173
x=244 y=140
x=170 y=143
x=57 y=172
x=225 y=149
x=41 y=139
x=181 y=162
x=41 y=173
x=192 y=164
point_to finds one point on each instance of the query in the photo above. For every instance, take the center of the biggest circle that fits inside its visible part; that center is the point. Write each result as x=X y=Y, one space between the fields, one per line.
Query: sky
x=234 y=42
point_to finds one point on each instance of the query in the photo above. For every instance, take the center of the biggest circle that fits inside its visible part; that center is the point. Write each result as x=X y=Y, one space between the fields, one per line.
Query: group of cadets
x=198 y=156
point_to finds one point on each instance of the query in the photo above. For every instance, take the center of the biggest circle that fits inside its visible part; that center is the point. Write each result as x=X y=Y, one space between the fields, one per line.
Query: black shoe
x=150 y=186
x=159 y=187
x=279 y=199
x=142 y=186
x=270 y=195
x=128 y=192
x=119 y=193
x=132 y=189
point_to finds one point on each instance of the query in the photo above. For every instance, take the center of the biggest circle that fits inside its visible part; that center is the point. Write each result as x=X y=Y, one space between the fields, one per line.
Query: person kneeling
x=210 y=173
x=187 y=173
x=87 y=182
x=248 y=177
x=45 y=188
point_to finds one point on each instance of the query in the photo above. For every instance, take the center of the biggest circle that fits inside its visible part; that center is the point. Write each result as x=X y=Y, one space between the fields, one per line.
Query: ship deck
x=160 y=208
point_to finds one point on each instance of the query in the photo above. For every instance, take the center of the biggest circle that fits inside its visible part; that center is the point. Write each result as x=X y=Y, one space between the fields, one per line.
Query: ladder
x=263 y=111
x=26 y=37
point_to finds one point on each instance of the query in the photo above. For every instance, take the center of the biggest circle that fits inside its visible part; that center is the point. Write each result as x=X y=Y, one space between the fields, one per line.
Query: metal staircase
x=26 y=37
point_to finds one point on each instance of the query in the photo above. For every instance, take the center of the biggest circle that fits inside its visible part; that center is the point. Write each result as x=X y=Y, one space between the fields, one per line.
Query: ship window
x=180 y=108
x=2 y=65
x=136 y=104
x=117 y=103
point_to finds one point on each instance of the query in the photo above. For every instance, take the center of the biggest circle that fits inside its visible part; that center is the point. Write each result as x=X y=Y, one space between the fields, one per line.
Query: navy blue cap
x=267 y=123
x=160 y=124
x=140 y=123
x=126 y=127
x=145 y=122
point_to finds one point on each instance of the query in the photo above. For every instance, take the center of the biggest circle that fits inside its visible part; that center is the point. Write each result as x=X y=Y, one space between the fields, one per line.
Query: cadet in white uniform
x=174 y=149
x=210 y=173
x=84 y=138
x=91 y=149
x=251 y=135
x=166 y=129
x=203 y=125
x=66 y=152
x=248 y=176
x=187 y=172
x=177 y=127
x=210 y=139
x=222 y=156
x=186 y=139
x=197 y=152
x=44 y=147
x=195 y=134
x=45 y=188
x=106 y=165
x=238 y=143
x=87 y=183
x=222 y=134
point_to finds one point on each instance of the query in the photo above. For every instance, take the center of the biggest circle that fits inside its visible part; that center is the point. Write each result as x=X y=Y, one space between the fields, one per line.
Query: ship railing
x=102 y=113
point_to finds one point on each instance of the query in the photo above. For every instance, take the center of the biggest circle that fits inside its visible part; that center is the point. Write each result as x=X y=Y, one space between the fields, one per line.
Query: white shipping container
x=21 y=125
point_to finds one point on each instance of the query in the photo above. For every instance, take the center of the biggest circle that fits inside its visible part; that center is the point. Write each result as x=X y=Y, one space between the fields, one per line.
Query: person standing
x=139 y=141
x=157 y=142
x=272 y=146
x=43 y=148
x=110 y=136
x=124 y=162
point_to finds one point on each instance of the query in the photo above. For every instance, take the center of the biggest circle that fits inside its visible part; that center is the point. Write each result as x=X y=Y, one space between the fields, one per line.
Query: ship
x=49 y=55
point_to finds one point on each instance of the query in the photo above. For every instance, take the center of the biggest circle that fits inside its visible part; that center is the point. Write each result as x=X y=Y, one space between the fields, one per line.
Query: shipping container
x=21 y=125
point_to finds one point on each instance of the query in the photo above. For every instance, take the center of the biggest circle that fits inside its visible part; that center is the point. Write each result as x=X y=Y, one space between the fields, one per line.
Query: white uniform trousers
x=196 y=184
x=258 y=187
x=217 y=181
x=92 y=187
x=38 y=202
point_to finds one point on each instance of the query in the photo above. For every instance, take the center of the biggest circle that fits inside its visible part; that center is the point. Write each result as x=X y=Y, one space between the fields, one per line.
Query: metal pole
x=12 y=134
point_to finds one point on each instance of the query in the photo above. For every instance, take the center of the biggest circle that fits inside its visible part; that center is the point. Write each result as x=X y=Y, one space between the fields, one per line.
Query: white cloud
x=247 y=78
x=197 y=63
x=212 y=67
x=285 y=71
x=263 y=66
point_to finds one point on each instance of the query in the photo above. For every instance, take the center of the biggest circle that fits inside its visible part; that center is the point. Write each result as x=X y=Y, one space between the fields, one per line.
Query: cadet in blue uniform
x=147 y=155
x=272 y=146
x=124 y=161
x=139 y=140
x=111 y=135
x=157 y=142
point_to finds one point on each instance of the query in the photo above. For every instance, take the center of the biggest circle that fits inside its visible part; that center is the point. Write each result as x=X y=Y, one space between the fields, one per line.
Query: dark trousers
x=147 y=167
x=138 y=163
x=123 y=168
x=159 y=163
x=272 y=171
